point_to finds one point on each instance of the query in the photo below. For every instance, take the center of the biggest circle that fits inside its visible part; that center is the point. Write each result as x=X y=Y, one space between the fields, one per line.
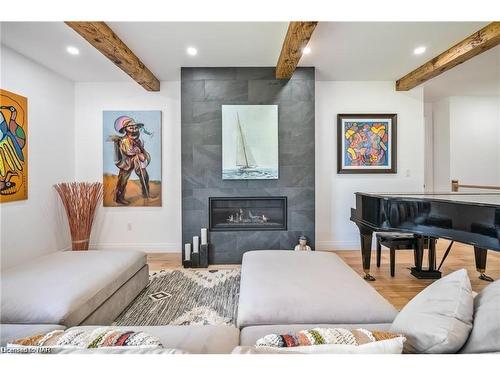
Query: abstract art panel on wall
x=132 y=158
x=13 y=147
x=366 y=143
x=249 y=142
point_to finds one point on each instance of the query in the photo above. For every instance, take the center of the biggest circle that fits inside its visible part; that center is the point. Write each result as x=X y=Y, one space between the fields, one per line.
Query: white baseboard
x=176 y=247
x=146 y=247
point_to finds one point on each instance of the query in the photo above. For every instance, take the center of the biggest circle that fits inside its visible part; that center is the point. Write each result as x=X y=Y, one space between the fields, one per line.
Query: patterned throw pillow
x=321 y=336
x=101 y=337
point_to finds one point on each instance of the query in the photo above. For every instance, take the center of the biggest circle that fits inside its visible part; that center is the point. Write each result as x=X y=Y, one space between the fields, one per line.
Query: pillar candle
x=196 y=244
x=204 y=236
x=187 y=251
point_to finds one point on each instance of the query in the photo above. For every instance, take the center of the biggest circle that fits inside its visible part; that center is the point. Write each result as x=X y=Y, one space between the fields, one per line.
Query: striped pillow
x=101 y=337
x=320 y=336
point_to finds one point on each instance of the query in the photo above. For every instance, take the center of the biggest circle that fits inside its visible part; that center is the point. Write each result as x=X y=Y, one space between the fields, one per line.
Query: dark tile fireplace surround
x=266 y=214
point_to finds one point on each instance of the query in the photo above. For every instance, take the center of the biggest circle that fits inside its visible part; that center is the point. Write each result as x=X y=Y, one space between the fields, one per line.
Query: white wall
x=475 y=140
x=441 y=140
x=466 y=141
x=335 y=192
x=36 y=226
x=153 y=229
x=428 y=148
x=72 y=148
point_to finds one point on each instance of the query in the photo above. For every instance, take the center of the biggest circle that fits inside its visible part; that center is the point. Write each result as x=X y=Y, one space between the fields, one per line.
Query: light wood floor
x=403 y=287
x=397 y=290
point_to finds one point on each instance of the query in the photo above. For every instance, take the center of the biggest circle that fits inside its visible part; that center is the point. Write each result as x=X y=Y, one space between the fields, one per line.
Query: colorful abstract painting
x=13 y=147
x=132 y=165
x=249 y=142
x=367 y=143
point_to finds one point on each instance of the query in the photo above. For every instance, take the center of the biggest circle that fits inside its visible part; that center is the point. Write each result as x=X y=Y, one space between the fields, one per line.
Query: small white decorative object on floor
x=196 y=244
x=204 y=236
x=187 y=251
x=302 y=245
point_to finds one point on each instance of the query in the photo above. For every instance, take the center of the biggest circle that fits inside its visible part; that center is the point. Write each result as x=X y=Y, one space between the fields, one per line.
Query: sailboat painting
x=249 y=142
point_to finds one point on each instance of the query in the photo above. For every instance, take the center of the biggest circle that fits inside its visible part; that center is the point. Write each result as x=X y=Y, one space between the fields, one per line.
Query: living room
x=207 y=184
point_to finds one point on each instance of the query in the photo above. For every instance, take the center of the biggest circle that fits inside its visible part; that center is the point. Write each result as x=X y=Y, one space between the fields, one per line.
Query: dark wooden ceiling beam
x=100 y=35
x=297 y=37
x=479 y=42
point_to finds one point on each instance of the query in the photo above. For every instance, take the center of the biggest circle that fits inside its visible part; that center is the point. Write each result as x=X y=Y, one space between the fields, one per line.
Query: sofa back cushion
x=439 y=318
x=485 y=335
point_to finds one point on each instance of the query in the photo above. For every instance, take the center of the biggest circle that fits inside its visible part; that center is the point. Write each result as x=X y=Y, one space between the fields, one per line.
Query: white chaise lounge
x=290 y=287
x=69 y=288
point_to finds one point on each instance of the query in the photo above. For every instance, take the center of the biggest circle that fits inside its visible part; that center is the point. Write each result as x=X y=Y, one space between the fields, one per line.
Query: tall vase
x=80 y=200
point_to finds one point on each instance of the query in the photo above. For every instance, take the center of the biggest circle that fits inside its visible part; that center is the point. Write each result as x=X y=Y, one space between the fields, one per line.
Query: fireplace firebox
x=247 y=213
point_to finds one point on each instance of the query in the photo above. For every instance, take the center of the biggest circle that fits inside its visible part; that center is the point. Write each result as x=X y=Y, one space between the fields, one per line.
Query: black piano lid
x=475 y=199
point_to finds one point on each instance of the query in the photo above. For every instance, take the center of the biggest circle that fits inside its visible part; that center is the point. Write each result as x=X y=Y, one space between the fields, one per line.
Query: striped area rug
x=185 y=297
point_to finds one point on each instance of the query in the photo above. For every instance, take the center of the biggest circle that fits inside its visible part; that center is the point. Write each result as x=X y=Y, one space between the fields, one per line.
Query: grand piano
x=469 y=218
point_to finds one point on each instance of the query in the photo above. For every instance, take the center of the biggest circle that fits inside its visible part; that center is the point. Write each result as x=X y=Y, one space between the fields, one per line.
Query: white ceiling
x=160 y=45
x=379 y=51
x=373 y=51
x=46 y=42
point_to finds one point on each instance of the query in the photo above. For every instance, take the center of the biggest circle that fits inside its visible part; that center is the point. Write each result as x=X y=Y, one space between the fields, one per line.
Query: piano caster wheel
x=485 y=277
x=369 y=277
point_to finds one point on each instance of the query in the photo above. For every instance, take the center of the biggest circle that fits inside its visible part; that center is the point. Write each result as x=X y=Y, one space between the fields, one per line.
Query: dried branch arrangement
x=80 y=200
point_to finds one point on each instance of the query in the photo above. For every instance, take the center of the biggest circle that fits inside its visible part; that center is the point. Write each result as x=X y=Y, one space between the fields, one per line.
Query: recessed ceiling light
x=72 y=50
x=419 y=50
x=192 y=51
x=306 y=51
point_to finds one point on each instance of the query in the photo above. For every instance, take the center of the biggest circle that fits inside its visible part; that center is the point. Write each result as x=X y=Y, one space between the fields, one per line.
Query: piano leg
x=480 y=255
x=366 y=235
x=379 y=252
x=419 y=252
x=432 y=254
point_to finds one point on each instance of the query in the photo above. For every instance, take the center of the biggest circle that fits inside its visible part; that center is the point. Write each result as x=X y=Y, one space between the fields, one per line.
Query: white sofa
x=286 y=292
x=281 y=292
